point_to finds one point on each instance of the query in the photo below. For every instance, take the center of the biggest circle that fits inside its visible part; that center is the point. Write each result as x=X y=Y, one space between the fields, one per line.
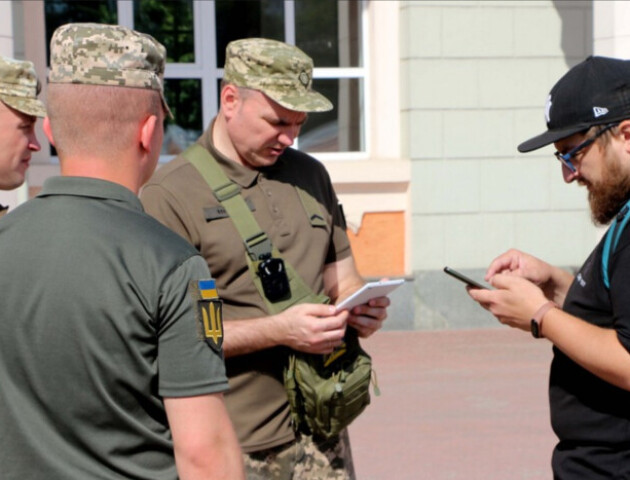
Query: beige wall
x=379 y=184
x=611 y=28
x=6 y=28
x=475 y=76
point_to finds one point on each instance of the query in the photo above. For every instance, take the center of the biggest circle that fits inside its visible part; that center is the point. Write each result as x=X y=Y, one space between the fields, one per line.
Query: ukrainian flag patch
x=207 y=289
x=210 y=313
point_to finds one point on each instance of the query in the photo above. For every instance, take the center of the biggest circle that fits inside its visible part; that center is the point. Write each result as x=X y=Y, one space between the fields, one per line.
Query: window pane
x=171 y=23
x=184 y=99
x=247 y=18
x=329 y=31
x=60 y=12
x=341 y=129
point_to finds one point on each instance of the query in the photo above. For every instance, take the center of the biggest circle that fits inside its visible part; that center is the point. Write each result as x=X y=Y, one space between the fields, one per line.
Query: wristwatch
x=537 y=319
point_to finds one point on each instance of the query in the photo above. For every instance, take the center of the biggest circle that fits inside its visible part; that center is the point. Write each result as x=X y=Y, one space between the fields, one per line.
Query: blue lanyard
x=612 y=238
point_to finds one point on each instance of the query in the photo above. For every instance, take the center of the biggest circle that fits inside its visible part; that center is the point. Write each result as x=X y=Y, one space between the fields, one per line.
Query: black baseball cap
x=594 y=92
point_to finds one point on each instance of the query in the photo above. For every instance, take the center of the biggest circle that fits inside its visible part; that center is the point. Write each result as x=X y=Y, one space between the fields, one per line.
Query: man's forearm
x=251 y=335
x=560 y=282
x=596 y=349
x=204 y=441
x=306 y=327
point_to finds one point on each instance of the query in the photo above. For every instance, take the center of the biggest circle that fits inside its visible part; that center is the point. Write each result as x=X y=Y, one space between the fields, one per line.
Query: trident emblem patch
x=304 y=79
x=210 y=314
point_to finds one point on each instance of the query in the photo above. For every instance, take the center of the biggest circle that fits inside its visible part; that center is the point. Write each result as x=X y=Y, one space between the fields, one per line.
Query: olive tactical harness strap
x=256 y=241
x=326 y=392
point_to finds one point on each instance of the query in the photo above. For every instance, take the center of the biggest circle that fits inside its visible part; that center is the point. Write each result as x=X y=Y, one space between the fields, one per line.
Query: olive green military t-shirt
x=179 y=197
x=99 y=323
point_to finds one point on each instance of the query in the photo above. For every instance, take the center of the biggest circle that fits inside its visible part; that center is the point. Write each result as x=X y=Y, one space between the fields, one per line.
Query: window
x=196 y=33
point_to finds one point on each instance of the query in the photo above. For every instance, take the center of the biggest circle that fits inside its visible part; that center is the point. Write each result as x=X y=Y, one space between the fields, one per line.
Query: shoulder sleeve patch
x=209 y=312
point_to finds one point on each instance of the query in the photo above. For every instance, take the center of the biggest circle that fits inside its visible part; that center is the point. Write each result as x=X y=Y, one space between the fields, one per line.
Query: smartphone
x=463 y=278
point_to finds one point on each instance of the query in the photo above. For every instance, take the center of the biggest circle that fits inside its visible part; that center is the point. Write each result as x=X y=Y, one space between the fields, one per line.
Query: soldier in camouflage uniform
x=265 y=97
x=19 y=109
x=105 y=365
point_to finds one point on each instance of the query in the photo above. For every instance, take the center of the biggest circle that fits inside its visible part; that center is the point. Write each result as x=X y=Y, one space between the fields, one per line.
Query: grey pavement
x=456 y=404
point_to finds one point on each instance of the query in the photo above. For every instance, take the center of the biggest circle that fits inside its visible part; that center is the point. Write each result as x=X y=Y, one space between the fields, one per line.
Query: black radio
x=273 y=276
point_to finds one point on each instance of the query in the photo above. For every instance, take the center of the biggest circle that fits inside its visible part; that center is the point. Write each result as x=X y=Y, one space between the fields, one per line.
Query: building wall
x=379 y=245
x=6 y=28
x=611 y=28
x=460 y=83
x=375 y=191
x=474 y=79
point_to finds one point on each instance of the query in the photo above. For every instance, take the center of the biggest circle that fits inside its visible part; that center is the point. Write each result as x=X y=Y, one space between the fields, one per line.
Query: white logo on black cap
x=548 y=109
x=599 y=111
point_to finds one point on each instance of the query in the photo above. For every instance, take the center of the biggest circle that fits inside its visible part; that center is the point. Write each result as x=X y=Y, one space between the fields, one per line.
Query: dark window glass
x=338 y=130
x=247 y=18
x=171 y=23
x=184 y=99
x=329 y=31
x=60 y=12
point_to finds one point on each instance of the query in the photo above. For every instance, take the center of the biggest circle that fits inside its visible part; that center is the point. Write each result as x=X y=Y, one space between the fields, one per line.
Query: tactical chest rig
x=326 y=392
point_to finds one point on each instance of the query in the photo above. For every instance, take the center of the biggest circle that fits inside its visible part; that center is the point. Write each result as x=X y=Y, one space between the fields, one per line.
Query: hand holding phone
x=463 y=278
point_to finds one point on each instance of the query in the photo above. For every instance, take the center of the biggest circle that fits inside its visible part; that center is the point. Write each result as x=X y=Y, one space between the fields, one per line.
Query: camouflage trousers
x=303 y=459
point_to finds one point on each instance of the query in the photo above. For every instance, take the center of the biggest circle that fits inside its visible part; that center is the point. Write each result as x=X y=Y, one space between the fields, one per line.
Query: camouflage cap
x=282 y=72
x=111 y=55
x=19 y=86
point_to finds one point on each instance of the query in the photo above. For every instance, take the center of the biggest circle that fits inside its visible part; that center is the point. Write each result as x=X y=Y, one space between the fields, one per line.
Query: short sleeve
x=187 y=365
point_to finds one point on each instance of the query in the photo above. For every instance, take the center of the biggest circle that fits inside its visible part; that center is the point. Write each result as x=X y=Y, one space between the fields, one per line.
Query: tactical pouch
x=327 y=392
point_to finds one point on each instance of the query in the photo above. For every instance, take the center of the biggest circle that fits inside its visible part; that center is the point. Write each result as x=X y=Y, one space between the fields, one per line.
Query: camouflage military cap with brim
x=110 y=55
x=282 y=72
x=19 y=86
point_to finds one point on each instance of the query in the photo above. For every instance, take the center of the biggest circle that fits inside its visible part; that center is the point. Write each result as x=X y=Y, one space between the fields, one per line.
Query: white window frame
x=204 y=67
x=341 y=73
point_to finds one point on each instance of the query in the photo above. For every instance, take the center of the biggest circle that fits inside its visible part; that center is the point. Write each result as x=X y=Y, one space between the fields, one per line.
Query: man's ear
x=624 y=133
x=230 y=98
x=147 y=130
x=48 y=131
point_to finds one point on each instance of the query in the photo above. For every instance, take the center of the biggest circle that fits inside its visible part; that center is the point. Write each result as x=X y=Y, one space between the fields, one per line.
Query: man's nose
x=33 y=144
x=288 y=135
x=569 y=175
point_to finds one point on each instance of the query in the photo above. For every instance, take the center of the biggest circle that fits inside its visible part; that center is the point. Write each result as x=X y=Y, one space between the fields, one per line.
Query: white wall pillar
x=6 y=28
x=611 y=28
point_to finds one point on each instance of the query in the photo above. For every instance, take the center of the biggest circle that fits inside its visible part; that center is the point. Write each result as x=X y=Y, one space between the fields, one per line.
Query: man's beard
x=607 y=197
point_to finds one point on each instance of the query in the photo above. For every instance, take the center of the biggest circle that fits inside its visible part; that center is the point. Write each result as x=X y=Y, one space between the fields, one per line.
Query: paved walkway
x=461 y=405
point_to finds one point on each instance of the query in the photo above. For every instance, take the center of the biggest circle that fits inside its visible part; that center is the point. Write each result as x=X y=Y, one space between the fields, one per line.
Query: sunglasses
x=567 y=158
